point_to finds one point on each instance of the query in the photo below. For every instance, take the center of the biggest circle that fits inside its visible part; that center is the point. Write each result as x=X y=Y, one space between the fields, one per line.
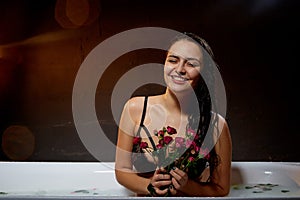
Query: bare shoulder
x=222 y=136
x=135 y=107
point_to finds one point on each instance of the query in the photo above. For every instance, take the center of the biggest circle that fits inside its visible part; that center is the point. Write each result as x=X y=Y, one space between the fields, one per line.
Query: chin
x=182 y=89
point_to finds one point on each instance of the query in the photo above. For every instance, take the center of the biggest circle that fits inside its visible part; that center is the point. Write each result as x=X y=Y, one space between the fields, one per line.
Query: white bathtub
x=95 y=180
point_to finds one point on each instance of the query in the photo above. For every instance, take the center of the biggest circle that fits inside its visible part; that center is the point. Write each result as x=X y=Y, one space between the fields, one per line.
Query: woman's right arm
x=123 y=164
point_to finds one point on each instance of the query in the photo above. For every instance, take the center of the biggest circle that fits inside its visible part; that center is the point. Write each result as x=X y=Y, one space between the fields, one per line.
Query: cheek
x=194 y=74
x=195 y=77
x=167 y=72
x=168 y=69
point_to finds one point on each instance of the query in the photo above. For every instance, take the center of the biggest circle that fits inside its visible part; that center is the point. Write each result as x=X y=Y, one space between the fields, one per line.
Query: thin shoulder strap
x=144 y=111
x=143 y=116
x=143 y=126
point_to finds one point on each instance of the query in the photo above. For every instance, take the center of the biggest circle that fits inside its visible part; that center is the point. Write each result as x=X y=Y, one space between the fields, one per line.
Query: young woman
x=176 y=108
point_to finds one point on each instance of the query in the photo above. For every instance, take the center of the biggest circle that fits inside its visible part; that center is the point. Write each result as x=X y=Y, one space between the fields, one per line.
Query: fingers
x=161 y=182
x=175 y=184
x=167 y=184
x=160 y=174
x=167 y=191
x=179 y=178
x=172 y=190
x=177 y=172
x=158 y=177
x=159 y=171
x=160 y=192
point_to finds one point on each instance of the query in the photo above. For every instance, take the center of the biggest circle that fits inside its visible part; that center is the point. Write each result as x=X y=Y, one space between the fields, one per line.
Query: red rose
x=161 y=133
x=167 y=139
x=136 y=140
x=171 y=130
x=144 y=145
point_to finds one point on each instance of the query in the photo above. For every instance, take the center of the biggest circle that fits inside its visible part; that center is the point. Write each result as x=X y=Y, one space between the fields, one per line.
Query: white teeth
x=178 y=78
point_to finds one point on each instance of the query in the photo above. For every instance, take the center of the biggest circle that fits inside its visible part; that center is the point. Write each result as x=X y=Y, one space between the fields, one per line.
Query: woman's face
x=182 y=66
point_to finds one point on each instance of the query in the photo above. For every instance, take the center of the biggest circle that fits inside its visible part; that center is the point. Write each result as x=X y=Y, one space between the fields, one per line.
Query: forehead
x=186 y=49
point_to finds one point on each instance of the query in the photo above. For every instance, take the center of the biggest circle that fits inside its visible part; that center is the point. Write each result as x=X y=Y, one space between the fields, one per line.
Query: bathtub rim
x=111 y=164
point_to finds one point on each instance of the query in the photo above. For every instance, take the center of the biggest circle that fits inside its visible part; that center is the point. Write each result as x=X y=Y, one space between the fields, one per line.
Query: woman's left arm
x=219 y=184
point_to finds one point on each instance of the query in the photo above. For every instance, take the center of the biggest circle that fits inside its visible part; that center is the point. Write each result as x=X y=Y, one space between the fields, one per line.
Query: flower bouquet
x=184 y=153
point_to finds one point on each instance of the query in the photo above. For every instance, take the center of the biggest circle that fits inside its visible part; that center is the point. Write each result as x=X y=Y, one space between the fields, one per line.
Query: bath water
x=264 y=190
x=239 y=190
x=63 y=193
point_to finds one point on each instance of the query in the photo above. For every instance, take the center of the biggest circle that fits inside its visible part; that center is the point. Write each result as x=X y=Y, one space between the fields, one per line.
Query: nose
x=180 y=68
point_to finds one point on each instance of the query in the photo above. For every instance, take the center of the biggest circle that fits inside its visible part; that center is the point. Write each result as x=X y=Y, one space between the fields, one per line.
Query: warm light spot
x=18 y=142
x=77 y=11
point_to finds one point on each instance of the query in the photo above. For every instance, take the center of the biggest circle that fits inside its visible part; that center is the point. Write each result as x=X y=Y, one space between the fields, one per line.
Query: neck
x=183 y=102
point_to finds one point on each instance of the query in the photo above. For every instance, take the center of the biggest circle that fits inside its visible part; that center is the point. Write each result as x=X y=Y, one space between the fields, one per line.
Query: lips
x=179 y=79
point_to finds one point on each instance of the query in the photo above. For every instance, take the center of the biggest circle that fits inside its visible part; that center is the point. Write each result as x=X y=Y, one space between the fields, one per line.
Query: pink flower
x=168 y=139
x=191 y=159
x=185 y=150
x=204 y=153
x=191 y=132
x=179 y=142
x=136 y=140
x=171 y=130
x=144 y=145
x=197 y=148
x=189 y=143
x=192 y=145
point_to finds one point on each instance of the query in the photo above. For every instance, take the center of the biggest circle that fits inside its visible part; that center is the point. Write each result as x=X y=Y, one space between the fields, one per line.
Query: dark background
x=41 y=49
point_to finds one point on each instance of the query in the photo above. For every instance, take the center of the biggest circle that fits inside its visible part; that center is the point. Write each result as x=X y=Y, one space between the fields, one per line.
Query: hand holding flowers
x=183 y=153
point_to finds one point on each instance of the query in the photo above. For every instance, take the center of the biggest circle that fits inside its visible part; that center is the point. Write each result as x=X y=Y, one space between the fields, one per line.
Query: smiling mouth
x=179 y=78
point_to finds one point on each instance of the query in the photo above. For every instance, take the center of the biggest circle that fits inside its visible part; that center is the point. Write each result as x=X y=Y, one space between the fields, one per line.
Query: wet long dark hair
x=203 y=122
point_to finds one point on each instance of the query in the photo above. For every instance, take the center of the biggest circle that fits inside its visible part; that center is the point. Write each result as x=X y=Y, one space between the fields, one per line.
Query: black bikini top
x=142 y=126
x=143 y=166
x=140 y=162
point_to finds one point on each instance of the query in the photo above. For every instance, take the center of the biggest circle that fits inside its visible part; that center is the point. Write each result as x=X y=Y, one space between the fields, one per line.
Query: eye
x=192 y=64
x=172 y=60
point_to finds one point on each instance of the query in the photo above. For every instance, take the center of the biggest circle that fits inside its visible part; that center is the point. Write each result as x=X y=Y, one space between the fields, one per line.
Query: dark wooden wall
x=255 y=44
